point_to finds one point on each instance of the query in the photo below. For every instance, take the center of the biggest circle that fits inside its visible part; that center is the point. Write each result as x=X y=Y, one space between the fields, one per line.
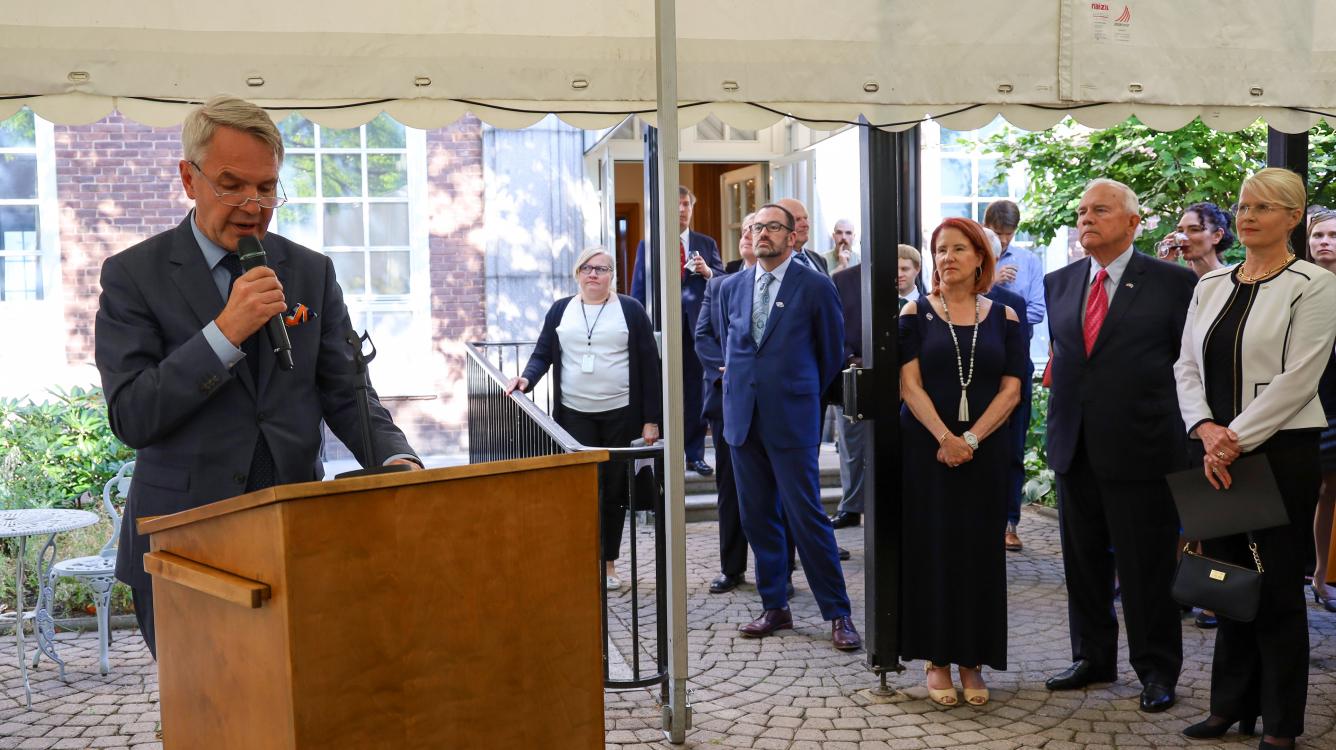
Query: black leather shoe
x=844 y=519
x=1216 y=726
x=844 y=635
x=700 y=467
x=844 y=553
x=1205 y=620
x=1156 y=698
x=1078 y=675
x=726 y=583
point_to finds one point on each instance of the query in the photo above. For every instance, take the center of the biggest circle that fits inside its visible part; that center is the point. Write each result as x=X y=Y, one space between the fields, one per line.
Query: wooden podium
x=452 y=608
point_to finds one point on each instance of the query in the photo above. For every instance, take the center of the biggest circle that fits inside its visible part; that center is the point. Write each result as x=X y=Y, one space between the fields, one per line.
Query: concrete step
x=703 y=507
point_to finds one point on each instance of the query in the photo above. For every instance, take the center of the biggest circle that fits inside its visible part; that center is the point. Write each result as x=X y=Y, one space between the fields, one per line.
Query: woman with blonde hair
x=601 y=348
x=1257 y=339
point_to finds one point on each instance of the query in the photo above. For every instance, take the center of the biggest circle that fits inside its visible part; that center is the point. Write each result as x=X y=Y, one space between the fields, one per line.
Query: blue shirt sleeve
x=1032 y=287
x=227 y=354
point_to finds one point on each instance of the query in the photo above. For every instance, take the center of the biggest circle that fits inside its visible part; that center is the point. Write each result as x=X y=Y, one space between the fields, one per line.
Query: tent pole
x=676 y=714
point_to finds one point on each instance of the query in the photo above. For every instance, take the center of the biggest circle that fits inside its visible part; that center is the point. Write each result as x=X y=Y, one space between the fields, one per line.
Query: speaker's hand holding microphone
x=256 y=301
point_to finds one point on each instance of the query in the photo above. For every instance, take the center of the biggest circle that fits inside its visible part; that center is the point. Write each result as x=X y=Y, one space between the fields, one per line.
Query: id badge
x=587 y=363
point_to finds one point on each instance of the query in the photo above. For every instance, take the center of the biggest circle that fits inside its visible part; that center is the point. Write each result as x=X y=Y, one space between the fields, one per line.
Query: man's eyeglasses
x=588 y=270
x=772 y=226
x=237 y=200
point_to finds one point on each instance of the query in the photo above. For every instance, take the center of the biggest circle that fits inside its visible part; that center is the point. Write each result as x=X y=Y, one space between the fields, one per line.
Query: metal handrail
x=514 y=426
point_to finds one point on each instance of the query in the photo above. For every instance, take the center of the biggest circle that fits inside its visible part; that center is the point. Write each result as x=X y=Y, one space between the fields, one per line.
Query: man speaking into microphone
x=195 y=375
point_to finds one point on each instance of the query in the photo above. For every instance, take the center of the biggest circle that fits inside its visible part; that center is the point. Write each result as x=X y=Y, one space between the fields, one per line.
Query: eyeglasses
x=589 y=270
x=237 y=200
x=772 y=226
x=1260 y=209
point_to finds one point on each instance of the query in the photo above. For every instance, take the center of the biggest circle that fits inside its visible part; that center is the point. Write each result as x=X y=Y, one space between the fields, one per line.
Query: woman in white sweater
x=1255 y=344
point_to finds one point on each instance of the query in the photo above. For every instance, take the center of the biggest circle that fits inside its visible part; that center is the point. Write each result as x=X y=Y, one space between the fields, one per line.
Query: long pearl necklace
x=963 y=414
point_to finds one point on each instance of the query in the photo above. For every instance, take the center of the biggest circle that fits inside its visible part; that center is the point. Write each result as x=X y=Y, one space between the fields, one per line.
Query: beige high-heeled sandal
x=941 y=696
x=974 y=696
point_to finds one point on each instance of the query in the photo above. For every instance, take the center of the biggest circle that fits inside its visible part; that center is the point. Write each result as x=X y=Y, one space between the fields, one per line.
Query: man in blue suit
x=699 y=260
x=178 y=345
x=783 y=335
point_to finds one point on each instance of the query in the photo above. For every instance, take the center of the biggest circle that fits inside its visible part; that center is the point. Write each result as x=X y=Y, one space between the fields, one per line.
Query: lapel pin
x=1129 y=285
x=779 y=304
x=929 y=316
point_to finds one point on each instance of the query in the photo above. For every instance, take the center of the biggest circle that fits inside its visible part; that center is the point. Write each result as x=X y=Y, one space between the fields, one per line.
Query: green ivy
x=53 y=452
x=1039 y=486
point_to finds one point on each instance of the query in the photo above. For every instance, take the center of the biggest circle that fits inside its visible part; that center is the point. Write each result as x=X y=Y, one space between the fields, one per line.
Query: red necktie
x=682 y=255
x=1097 y=307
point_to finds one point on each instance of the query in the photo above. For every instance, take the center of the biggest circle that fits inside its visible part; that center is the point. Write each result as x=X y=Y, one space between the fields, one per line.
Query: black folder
x=1252 y=502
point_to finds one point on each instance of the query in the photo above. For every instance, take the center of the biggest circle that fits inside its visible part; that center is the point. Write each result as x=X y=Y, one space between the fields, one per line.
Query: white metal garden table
x=38 y=522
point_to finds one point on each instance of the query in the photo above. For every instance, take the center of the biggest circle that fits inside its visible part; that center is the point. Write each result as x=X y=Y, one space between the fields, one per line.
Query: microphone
x=251 y=254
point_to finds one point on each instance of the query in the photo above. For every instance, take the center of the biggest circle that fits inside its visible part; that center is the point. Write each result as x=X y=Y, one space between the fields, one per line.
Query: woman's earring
x=978 y=274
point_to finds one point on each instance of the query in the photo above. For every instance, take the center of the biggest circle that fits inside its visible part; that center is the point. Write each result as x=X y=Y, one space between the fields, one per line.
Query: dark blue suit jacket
x=1017 y=304
x=710 y=349
x=693 y=286
x=1121 y=401
x=193 y=422
x=800 y=353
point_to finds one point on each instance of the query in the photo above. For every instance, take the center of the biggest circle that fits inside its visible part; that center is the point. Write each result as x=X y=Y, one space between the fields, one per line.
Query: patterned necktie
x=682 y=256
x=800 y=255
x=262 y=471
x=761 y=308
x=1097 y=307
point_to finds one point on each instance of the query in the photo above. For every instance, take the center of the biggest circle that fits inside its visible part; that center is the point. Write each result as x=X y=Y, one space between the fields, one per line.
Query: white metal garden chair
x=98 y=571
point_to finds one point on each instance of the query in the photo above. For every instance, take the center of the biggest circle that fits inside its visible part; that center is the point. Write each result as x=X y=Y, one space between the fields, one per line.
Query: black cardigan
x=646 y=398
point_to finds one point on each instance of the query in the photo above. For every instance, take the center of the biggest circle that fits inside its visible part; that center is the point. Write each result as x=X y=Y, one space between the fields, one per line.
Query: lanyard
x=589 y=329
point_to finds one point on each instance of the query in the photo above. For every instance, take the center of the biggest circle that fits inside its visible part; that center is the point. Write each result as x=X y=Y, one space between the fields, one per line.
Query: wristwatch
x=971 y=440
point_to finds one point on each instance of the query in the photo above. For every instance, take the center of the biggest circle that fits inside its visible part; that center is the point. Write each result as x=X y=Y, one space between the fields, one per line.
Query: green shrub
x=1039 y=484
x=58 y=454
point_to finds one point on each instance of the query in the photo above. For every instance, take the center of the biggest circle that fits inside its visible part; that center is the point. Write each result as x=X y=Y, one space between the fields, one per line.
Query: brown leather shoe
x=1011 y=541
x=843 y=635
x=769 y=621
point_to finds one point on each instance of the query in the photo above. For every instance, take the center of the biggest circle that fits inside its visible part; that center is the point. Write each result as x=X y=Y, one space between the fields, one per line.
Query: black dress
x=955 y=585
x=1326 y=390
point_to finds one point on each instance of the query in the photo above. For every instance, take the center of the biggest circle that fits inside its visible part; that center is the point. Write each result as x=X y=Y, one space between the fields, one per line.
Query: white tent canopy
x=892 y=61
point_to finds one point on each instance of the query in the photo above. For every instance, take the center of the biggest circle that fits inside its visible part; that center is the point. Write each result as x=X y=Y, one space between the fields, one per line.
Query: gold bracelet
x=945 y=432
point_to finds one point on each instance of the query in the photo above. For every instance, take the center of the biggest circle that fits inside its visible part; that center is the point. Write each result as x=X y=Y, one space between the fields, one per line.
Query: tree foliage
x=1168 y=170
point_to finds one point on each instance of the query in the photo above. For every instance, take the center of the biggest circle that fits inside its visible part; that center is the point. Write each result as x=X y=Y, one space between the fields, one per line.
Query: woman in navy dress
x=962 y=357
x=1322 y=249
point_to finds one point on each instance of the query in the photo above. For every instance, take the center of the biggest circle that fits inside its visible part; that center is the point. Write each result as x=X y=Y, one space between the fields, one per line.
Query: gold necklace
x=1250 y=278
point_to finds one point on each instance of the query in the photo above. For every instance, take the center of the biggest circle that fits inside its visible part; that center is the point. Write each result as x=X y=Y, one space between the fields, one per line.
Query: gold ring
x=1220 y=454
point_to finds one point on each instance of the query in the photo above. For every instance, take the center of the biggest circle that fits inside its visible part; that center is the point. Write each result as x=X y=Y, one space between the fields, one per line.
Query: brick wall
x=117 y=184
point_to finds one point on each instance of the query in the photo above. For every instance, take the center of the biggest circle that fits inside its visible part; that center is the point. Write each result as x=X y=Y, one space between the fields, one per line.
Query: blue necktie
x=262 y=471
x=801 y=257
x=761 y=308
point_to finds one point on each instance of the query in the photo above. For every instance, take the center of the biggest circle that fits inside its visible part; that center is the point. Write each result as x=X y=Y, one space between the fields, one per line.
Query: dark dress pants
x=1017 y=427
x=143 y=603
x=693 y=425
x=1262 y=666
x=610 y=429
x=732 y=542
x=779 y=496
x=1130 y=526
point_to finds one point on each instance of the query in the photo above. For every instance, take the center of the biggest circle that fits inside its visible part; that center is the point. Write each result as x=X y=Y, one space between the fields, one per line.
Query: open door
x=741 y=191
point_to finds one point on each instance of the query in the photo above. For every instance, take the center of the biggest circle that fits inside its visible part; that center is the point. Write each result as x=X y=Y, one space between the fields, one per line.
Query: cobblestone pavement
x=791 y=691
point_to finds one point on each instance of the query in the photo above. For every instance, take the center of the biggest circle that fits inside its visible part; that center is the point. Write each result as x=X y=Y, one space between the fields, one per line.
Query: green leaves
x=1168 y=170
x=53 y=452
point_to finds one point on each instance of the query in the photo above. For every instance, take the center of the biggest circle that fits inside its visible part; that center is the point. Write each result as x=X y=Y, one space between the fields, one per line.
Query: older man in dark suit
x=699 y=260
x=189 y=383
x=783 y=335
x=1113 y=434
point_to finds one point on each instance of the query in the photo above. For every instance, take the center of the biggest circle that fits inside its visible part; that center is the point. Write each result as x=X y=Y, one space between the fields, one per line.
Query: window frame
x=48 y=213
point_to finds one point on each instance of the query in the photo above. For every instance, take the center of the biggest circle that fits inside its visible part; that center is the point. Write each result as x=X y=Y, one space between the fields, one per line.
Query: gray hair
x=1130 y=201
x=590 y=252
x=227 y=111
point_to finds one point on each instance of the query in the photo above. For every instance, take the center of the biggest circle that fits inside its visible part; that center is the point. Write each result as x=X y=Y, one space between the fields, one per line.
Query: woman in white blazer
x=1255 y=344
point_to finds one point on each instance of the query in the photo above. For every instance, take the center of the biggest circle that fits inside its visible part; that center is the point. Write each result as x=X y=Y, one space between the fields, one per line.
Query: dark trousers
x=693 y=425
x=1129 y=526
x=1018 y=425
x=143 y=602
x=779 y=496
x=611 y=429
x=1262 y=666
x=732 y=541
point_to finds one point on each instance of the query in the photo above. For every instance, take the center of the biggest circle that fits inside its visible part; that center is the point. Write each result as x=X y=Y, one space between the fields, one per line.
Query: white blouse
x=597 y=336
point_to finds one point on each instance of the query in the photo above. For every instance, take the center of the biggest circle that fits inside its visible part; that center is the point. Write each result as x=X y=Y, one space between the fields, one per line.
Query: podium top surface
x=283 y=492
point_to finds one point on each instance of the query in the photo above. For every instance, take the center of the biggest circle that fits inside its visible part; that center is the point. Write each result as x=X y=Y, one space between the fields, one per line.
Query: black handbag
x=1229 y=590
